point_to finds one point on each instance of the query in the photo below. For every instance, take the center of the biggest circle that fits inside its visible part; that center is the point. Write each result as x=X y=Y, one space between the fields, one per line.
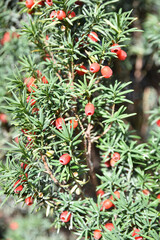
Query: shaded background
x=141 y=68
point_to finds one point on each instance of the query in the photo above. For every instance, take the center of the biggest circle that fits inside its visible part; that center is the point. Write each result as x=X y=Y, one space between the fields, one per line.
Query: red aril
x=106 y=72
x=65 y=216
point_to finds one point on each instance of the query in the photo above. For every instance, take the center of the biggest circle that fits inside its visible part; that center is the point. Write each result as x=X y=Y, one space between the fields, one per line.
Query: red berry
x=122 y=55
x=61 y=14
x=24 y=131
x=71 y=14
x=29 y=138
x=29 y=201
x=116 y=156
x=30 y=88
x=89 y=109
x=6 y=38
x=39 y=74
x=59 y=122
x=107 y=204
x=81 y=73
x=97 y=234
x=47 y=37
x=115 y=48
x=136 y=234
x=29 y=3
x=93 y=36
x=106 y=72
x=112 y=162
x=95 y=67
x=146 y=192
x=65 y=159
x=13 y=226
x=65 y=216
x=100 y=192
x=158 y=123
x=53 y=14
x=109 y=226
x=74 y=122
x=32 y=101
x=19 y=188
x=29 y=145
x=158 y=197
x=34 y=110
x=24 y=165
x=44 y=80
x=29 y=81
x=16 y=139
x=117 y=194
x=3 y=118
x=49 y=2
x=47 y=56
x=107 y=163
x=24 y=176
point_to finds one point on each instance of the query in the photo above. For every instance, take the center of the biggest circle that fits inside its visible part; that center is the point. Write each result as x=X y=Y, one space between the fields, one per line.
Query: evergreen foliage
x=105 y=154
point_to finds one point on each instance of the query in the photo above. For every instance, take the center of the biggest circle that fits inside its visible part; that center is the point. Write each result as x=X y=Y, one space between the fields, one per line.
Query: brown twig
x=82 y=128
x=88 y=156
x=102 y=134
x=49 y=171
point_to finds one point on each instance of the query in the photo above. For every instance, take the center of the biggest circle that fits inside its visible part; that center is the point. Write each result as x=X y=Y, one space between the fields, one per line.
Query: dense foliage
x=77 y=156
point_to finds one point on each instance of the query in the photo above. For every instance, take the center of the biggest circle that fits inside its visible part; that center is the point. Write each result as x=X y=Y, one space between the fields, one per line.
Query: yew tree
x=77 y=156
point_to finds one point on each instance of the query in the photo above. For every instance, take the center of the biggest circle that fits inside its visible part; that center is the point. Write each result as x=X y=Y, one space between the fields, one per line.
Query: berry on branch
x=61 y=15
x=65 y=216
x=29 y=3
x=59 y=122
x=65 y=159
x=89 y=109
x=97 y=234
x=94 y=67
x=93 y=36
x=106 y=72
x=122 y=55
x=29 y=201
x=109 y=226
x=115 y=48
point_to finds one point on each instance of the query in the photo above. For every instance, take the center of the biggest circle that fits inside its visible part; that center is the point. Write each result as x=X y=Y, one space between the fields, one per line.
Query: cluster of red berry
x=3 y=118
x=31 y=87
x=106 y=71
x=30 y=4
x=18 y=185
x=121 y=54
x=97 y=233
x=60 y=15
x=29 y=136
x=60 y=121
x=7 y=37
x=158 y=122
x=107 y=204
x=111 y=162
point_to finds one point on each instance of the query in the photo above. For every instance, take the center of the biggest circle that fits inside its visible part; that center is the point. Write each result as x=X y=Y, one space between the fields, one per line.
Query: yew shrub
x=77 y=156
